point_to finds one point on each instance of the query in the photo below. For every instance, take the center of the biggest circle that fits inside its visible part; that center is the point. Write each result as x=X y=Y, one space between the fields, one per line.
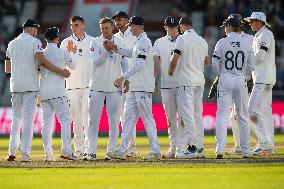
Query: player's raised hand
x=70 y=47
x=109 y=45
x=65 y=73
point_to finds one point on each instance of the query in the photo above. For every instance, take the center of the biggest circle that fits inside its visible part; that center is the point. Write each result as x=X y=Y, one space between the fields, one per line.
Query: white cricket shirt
x=163 y=47
x=24 y=68
x=105 y=73
x=265 y=69
x=193 y=49
x=80 y=77
x=52 y=85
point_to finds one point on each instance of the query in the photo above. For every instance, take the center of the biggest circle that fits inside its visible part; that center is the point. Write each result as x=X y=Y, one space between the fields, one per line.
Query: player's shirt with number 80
x=233 y=55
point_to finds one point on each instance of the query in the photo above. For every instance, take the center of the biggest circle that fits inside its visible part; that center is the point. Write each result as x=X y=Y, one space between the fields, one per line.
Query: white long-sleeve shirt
x=52 y=85
x=141 y=71
x=80 y=77
x=264 y=51
x=107 y=67
x=127 y=40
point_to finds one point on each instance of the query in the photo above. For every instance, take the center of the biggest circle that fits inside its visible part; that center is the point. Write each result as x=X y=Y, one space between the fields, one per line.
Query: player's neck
x=80 y=35
x=122 y=30
x=173 y=37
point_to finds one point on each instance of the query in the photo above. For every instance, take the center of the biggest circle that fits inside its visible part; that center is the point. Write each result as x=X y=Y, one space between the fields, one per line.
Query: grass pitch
x=232 y=172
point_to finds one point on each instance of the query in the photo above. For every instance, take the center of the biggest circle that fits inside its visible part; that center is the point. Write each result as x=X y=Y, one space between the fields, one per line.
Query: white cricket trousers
x=260 y=105
x=59 y=106
x=79 y=112
x=169 y=99
x=190 y=107
x=132 y=141
x=139 y=104
x=232 y=88
x=23 y=111
x=113 y=108
x=236 y=128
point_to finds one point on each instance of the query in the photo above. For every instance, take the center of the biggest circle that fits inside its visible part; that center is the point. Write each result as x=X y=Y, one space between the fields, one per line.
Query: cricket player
x=233 y=61
x=107 y=67
x=141 y=87
x=163 y=49
x=190 y=55
x=78 y=45
x=234 y=117
x=54 y=97
x=264 y=76
x=23 y=57
x=127 y=41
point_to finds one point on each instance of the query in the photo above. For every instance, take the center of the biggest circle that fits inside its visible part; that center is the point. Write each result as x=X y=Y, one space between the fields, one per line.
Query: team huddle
x=120 y=71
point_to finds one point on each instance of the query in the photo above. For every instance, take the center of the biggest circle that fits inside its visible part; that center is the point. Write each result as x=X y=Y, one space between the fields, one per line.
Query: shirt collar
x=261 y=29
x=127 y=32
x=77 y=39
x=171 y=39
x=26 y=34
x=189 y=30
x=233 y=34
x=51 y=45
x=141 y=35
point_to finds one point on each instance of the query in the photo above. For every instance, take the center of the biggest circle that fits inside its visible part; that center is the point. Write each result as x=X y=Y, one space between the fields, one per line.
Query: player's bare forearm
x=173 y=64
x=206 y=60
x=156 y=66
x=7 y=66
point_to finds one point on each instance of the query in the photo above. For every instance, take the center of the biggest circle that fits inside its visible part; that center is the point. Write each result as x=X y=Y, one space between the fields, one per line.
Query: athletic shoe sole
x=11 y=158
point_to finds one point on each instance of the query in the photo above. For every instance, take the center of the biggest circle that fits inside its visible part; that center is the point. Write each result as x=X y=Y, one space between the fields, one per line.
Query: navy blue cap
x=171 y=22
x=232 y=21
x=120 y=14
x=136 y=20
x=30 y=23
x=51 y=33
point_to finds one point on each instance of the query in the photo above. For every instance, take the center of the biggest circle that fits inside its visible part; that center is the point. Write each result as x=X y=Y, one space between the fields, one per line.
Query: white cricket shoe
x=152 y=156
x=80 y=155
x=263 y=149
x=237 y=150
x=170 y=154
x=26 y=158
x=131 y=151
x=180 y=154
x=49 y=157
x=117 y=154
x=90 y=157
x=200 y=153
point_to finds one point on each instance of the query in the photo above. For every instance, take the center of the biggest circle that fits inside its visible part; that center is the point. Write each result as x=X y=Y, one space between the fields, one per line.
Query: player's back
x=235 y=52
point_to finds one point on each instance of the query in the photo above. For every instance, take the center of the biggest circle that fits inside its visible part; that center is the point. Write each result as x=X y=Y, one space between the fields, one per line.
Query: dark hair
x=106 y=20
x=236 y=29
x=77 y=18
x=185 y=21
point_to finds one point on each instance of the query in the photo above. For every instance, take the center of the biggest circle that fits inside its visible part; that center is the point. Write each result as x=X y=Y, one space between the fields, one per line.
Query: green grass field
x=231 y=172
